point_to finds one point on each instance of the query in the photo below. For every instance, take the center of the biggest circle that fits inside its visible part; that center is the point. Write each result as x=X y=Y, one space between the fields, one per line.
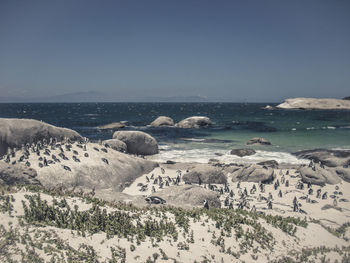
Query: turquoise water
x=234 y=125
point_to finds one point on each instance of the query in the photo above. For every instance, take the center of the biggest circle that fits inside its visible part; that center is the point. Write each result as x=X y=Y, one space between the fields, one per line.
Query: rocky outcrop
x=18 y=132
x=343 y=173
x=269 y=163
x=116 y=144
x=189 y=196
x=261 y=141
x=194 y=122
x=312 y=103
x=243 y=152
x=112 y=126
x=93 y=167
x=330 y=158
x=17 y=174
x=254 y=173
x=137 y=142
x=318 y=175
x=162 y=121
x=205 y=174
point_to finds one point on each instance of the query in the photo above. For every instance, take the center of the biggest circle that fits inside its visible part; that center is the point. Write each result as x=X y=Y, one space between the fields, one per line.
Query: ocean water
x=234 y=125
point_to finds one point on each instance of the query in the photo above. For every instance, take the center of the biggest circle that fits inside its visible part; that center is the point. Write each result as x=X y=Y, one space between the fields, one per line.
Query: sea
x=233 y=125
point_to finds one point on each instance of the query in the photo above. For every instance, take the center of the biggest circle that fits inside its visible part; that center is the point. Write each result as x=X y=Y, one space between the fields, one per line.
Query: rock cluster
x=15 y=133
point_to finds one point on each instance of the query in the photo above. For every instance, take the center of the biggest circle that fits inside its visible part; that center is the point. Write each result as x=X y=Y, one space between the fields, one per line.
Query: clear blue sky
x=224 y=50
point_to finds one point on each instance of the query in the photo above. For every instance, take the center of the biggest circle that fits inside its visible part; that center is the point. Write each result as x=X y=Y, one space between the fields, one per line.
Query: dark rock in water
x=269 y=163
x=170 y=162
x=254 y=173
x=346 y=98
x=18 y=132
x=194 y=122
x=162 y=121
x=205 y=174
x=189 y=196
x=137 y=142
x=318 y=175
x=17 y=174
x=330 y=158
x=243 y=152
x=116 y=144
x=112 y=126
x=261 y=141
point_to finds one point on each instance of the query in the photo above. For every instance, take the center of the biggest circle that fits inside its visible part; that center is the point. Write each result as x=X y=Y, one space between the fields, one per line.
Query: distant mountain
x=175 y=99
x=95 y=96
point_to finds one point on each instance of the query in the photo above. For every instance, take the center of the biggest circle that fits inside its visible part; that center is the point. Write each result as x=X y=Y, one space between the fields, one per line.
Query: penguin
x=66 y=168
x=96 y=149
x=86 y=155
x=239 y=185
x=310 y=191
x=269 y=204
x=162 y=170
x=232 y=194
x=253 y=210
x=153 y=189
x=76 y=159
x=318 y=193
x=206 y=204
x=324 y=196
x=147 y=179
x=45 y=161
x=41 y=165
x=287 y=183
x=75 y=152
x=105 y=160
x=280 y=193
x=104 y=150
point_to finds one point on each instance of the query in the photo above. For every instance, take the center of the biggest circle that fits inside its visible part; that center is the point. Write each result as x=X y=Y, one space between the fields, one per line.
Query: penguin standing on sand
x=206 y=204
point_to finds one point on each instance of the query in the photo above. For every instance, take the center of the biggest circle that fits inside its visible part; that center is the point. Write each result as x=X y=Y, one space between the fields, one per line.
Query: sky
x=237 y=51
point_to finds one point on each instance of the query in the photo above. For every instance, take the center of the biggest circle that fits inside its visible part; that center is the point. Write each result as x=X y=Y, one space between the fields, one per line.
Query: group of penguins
x=160 y=181
x=43 y=149
x=243 y=200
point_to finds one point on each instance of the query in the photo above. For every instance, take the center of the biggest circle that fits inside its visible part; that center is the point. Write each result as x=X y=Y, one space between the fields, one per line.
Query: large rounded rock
x=318 y=175
x=162 y=121
x=194 y=122
x=344 y=173
x=17 y=174
x=116 y=144
x=254 y=173
x=261 y=141
x=137 y=142
x=243 y=152
x=205 y=174
x=189 y=196
x=330 y=158
x=16 y=132
x=90 y=167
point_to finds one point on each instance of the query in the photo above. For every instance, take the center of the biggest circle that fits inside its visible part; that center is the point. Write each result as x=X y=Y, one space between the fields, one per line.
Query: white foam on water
x=223 y=156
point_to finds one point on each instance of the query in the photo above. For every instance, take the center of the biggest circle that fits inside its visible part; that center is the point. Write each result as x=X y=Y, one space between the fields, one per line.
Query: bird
x=104 y=150
x=105 y=160
x=66 y=168
x=86 y=154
